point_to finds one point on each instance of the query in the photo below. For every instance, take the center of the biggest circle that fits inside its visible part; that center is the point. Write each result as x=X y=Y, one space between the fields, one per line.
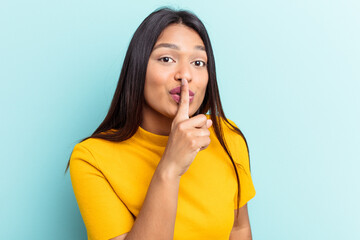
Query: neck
x=155 y=122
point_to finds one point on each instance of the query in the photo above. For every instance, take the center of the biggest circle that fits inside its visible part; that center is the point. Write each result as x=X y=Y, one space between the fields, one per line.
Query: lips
x=177 y=90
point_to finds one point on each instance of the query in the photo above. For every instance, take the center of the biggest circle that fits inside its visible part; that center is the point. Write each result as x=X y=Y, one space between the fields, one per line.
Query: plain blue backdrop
x=289 y=77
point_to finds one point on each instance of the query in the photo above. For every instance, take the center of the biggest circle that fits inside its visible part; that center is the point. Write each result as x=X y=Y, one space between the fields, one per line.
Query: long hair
x=125 y=112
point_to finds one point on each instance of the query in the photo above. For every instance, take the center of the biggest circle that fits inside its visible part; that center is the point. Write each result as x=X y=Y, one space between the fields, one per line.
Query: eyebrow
x=176 y=47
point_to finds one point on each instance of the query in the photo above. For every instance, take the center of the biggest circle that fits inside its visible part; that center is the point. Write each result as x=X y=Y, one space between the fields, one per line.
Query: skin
x=241 y=229
x=166 y=66
x=187 y=135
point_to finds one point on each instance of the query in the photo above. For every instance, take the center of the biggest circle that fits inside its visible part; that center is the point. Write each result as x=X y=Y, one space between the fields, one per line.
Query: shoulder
x=88 y=149
x=229 y=128
x=82 y=153
x=235 y=140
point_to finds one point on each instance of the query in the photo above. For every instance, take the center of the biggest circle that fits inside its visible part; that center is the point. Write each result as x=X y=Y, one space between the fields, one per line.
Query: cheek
x=202 y=92
x=150 y=91
x=204 y=85
x=154 y=84
x=155 y=76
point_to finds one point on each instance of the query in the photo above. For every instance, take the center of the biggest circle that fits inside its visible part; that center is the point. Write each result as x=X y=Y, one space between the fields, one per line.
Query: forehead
x=180 y=35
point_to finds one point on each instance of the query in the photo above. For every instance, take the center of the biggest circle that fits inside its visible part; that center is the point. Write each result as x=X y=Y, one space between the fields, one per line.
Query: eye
x=199 y=63
x=166 y=59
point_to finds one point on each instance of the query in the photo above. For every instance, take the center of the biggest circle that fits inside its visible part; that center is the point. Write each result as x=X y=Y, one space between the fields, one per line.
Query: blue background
x=289 y=76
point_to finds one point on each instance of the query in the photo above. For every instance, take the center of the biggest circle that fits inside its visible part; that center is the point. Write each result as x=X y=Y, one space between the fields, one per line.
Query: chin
x=172 y=109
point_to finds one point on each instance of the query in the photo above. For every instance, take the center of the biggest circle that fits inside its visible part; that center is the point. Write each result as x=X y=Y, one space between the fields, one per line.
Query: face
x=178 y=53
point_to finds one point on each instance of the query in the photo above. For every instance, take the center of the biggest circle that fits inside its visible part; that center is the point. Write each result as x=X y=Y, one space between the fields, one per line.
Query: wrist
x=166 y=173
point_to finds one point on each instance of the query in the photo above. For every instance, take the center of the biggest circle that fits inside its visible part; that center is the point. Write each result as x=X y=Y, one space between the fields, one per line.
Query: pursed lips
x=177 y=90
x=175 y=94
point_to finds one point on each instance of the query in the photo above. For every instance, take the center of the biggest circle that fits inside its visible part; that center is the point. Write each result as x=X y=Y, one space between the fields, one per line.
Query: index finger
x=183 y=110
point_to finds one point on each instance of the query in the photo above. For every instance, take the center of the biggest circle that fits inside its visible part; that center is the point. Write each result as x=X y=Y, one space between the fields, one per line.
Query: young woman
x=158 y=166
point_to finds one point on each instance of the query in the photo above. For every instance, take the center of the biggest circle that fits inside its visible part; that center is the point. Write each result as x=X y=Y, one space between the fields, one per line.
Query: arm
x=156 y=219
x=241 y=229
x=105 y=215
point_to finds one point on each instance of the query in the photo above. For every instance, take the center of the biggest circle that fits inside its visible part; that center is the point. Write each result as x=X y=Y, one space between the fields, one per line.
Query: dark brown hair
x=125 y=112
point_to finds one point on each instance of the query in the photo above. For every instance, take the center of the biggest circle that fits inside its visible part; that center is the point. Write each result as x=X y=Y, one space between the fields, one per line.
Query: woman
x=158 y=166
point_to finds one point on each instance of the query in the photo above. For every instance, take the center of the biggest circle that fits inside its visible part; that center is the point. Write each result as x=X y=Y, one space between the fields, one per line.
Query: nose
x=183 y=71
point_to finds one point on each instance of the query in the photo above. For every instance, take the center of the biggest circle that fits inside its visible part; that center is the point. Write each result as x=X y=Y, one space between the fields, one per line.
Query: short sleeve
x=241 y=159
x=105 y=215
x=247 y=189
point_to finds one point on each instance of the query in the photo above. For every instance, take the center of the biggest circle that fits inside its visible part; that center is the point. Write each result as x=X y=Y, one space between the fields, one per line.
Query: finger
x=203 y=143
x=207 y=124
x=199 y=134
x=199 y=121
x=183 y=109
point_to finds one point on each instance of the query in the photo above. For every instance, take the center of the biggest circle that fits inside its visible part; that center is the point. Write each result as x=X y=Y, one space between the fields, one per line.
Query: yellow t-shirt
x=110 y=181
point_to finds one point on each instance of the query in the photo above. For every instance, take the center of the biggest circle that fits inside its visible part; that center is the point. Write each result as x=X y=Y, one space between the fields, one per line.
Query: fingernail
x=182 y=82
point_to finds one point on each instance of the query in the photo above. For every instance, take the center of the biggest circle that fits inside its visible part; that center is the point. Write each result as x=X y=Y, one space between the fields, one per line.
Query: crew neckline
x=160 y=140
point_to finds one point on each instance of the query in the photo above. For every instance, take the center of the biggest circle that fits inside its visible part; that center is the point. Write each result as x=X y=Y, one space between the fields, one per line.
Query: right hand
x=187 y=137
